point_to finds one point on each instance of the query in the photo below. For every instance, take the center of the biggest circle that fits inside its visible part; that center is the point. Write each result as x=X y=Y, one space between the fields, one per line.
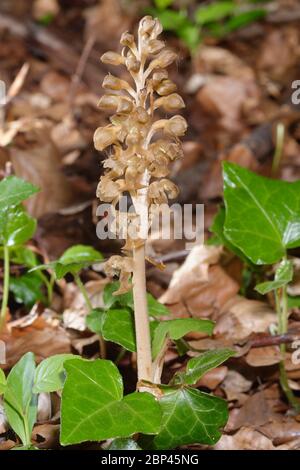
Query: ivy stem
x=5 y=287
x=88 y=302
x=282 y=312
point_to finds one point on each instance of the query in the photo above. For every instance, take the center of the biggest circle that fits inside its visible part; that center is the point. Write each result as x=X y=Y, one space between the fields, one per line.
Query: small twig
x=77 y=77
x=275 y=340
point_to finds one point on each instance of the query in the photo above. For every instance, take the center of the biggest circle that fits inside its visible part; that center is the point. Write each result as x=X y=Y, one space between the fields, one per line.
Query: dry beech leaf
x=43 y=343
x=44 y=407
x=266 y=356
x=235 y=384
x=7 y=445
x=3 y=421
x=225 y=98
x=41 y=166
x=106 y=26
x=75 y=313
x=213 y=378
x=67 y=137
x=254 y=412
x=240 y=317
x=217 y=60
x=246 y=438
x=284 y=44
x=200 y=286
x=46 y=436
x=55 y=85
x=282 y=430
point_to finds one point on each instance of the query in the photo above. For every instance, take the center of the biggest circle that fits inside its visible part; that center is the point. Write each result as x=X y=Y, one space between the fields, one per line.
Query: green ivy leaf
x=20 y=404
x=94 y=320
x=16 y=226
x=50 y=375
x=283 y=275
x=76 y=258
x=190 y=34
x=27 y=289
x=243 y=19
x=124 y=444
x=14 y=190
x=178 y=328
x=262 y=215
x=155 y=308
x=94 y=409
x=217 y=228
x=72 y=261
x=171 y=20
x=293 y=301
x=163 y=3
x=122 y=300
x=214 y=12
x=198 y=366
x=80 y=254
x=23 y=255
x=190 y=417
x=2 y=382
x=118 y=327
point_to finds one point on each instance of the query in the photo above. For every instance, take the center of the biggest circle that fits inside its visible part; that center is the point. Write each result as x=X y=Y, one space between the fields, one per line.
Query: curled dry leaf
x=282 y=430
x=67 y=137
x=254 y=413
x=240 y=317
x=213 y=378
x=235 y=384
x=76 y=309
x=284 y=44
x=43 y=343
x=266 y=356
x=55 y=85
x=203 y=288
x=41 y=166
x=44 y=407
x=246 y=438
x=46 y=436
x=3 y=421
x=226 y=99
x=217 y=60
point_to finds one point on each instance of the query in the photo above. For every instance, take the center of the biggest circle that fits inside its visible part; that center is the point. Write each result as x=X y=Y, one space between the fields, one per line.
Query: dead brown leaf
x=213 y=378
x=246 y=438
x=266 y=356
x=240 y=317
x=43 y=343
x=202 y=288
x=46 y=436
x=40 y=164
x=235 y=385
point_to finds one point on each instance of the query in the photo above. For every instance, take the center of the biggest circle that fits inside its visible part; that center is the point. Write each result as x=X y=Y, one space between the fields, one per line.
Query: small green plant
x=72 y=261
x=21 y=388
x=260 y=223
x=16 y=228
x=217 y=18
